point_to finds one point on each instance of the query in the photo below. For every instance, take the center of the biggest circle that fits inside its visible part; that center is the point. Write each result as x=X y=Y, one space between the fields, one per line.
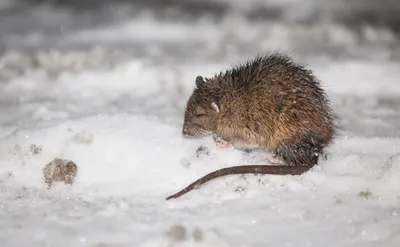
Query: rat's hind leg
x=303 y=150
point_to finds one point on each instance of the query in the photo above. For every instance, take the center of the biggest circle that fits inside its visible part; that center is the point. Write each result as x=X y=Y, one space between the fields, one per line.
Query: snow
x=346 y=76
x=129 y=162
x=146 y=29
x=143 y=159
x=122 y=127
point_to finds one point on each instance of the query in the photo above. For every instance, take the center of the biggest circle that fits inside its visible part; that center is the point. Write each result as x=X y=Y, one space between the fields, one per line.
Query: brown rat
x=268 y=103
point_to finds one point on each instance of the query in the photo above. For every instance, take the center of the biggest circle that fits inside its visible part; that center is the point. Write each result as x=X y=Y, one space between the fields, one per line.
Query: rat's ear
x=199 y=81
x=215 y=106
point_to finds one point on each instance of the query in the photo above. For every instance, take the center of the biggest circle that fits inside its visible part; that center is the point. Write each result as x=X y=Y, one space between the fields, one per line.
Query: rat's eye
x=200 y=112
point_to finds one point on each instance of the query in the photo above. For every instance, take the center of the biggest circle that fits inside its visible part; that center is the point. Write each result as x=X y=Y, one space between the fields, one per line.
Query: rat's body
x=270 y=103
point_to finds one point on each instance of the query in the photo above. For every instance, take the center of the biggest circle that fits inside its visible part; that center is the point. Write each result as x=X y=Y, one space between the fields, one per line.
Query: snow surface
x=122 y=127
x=129 y=162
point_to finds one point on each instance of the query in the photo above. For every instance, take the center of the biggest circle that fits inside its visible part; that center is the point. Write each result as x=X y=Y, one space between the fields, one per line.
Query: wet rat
x=270 y=103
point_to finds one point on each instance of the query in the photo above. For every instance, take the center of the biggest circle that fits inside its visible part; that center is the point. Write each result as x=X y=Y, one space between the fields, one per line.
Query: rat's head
x=202 y=110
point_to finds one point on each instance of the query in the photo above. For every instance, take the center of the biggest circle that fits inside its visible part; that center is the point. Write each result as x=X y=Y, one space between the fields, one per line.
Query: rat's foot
x=224 y=145
x=274 y=163
x=221 y=143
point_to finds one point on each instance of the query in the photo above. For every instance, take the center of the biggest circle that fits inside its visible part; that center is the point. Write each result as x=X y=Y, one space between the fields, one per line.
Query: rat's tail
x=254 y=169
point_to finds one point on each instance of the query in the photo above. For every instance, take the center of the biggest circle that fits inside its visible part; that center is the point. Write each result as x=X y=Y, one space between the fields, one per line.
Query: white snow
x=148 y=29
x=128 y=163
x=122 y=127
x=360 y=78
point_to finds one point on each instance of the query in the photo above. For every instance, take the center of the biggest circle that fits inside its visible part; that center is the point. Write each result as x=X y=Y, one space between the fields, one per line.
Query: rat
x=270 y=103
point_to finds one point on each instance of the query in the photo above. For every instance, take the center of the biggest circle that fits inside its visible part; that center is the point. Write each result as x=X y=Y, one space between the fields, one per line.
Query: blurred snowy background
x=49 y=40
x=104 y=83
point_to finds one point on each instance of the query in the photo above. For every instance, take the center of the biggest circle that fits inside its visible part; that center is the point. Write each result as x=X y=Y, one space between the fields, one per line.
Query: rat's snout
x=185 y=131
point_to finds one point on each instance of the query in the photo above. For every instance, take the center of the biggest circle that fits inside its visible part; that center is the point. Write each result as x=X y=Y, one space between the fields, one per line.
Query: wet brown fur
x=270 y=103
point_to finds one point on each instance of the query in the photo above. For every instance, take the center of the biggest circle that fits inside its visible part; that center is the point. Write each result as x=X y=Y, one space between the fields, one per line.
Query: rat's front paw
x=221 y=143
